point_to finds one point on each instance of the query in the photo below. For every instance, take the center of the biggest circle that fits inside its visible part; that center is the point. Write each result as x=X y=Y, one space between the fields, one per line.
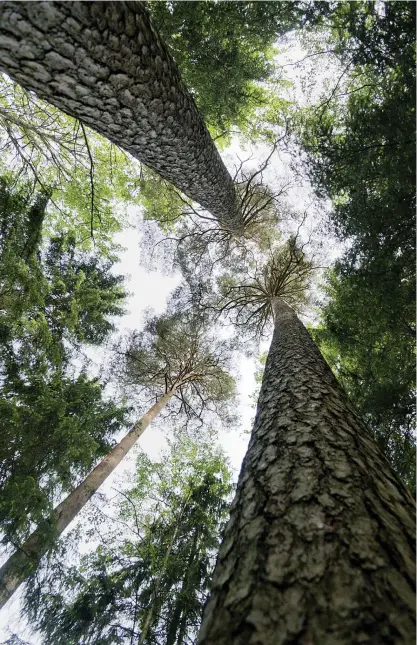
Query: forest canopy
x=263 y=153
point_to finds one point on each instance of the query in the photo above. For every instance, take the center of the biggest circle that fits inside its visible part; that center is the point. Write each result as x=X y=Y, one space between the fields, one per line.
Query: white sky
x=151 y=289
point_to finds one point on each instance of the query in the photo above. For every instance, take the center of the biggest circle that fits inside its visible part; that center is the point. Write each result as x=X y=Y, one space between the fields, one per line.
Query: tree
x=53 y=429
x=371 y=34
x=225 y=54
x=173 y=358
x=50 y=292
x=147 y=585
x=319 y=546
x=54 y=421
x=368 y=325
x=249 y=299
x=316 y=498
x=145 y=110
x=373 y=357
x=83 y=173
x=192 y=240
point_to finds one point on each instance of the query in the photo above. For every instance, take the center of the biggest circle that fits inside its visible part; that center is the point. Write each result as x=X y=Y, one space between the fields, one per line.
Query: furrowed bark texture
x=104 y=63
x=24 y=562
x=319 y=548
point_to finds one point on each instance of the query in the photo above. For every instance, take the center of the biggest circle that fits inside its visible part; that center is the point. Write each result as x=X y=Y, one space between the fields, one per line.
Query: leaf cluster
x=225 y=53
x=82 y=172
x=52 y=430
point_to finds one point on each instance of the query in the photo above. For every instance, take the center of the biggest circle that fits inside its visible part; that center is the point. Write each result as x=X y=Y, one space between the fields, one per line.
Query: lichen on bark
x=319 y=548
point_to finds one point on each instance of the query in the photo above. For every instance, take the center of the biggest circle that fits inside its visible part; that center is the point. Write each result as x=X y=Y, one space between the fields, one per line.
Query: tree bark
x=24 y=562
x=319 y=548
x=104 y=64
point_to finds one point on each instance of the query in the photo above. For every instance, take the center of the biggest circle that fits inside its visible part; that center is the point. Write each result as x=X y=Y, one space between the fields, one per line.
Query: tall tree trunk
x=319 y=549
x=174 y=621
x=104 y=64
x=183 y=630
x=25 y=561
x=178 y=619
x=149 y=617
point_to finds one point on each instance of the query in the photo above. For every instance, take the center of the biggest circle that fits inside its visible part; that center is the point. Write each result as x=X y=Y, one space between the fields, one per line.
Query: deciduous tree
x=148 y=584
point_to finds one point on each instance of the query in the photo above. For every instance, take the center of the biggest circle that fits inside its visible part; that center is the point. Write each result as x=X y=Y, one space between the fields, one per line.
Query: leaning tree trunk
x=319 y=548
x=104 y=64
x=25 y=561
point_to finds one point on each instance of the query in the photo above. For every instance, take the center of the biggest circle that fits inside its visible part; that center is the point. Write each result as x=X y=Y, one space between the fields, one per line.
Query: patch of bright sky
x=152 y=289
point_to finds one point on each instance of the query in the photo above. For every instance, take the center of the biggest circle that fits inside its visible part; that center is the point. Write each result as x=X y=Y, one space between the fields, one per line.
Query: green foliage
x=375 y=124
x=49 y=293
x=225 y=53
x=360 y=140
x=373 y=357
x=54 y=296
x=375 y=34
x=160 y=201
x=361 y=154
x=84 y=292
x=148 y=585
x=54 y=425
x=82 y=172
x=52 y=431
x=174 y=351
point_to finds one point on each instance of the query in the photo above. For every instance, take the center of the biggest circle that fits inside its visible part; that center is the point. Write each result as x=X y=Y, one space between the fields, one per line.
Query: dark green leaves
x=54 y=422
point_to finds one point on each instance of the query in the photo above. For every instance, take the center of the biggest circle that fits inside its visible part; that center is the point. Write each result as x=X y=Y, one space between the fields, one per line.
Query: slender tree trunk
x=183 y=630
x=178 y=620
x=174 y=622
x=319 y=549
x=104 y=64
x=151 y=611
x=25 y=561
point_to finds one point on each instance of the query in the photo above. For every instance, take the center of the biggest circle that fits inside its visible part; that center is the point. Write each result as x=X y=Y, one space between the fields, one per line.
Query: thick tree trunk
x=319 y=549
x=104 y=63
x=24 y=562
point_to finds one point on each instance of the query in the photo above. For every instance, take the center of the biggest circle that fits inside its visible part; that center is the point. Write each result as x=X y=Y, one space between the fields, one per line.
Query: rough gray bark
x=104 y=63
x=24 y=562
x=319 y=549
